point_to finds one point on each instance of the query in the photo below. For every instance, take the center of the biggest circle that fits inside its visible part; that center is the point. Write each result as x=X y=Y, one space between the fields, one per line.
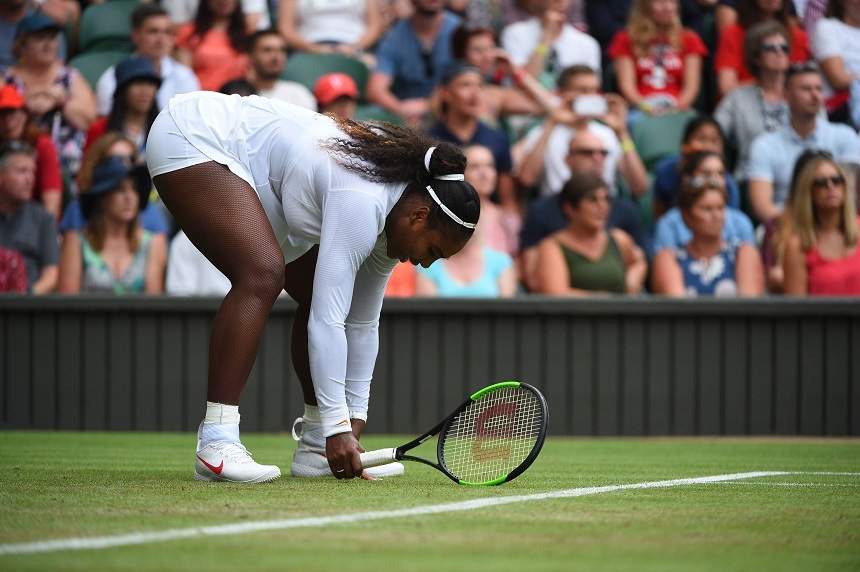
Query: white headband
x=452 y=177
x=448 y=211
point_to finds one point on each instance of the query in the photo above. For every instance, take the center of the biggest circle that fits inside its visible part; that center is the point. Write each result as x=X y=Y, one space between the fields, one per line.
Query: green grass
x=57 y=485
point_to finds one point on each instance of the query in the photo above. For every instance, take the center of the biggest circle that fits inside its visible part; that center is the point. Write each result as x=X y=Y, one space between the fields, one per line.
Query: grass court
x=70 y=485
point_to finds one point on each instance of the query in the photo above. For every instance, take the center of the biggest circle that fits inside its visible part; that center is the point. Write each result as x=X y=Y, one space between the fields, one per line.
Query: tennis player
x=278 y=197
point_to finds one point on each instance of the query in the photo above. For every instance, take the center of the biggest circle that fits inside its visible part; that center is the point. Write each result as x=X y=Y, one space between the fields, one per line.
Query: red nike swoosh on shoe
x=217 y=470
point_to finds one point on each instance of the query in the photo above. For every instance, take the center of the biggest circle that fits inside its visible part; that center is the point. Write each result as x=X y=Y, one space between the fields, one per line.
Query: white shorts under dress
x=168 y=149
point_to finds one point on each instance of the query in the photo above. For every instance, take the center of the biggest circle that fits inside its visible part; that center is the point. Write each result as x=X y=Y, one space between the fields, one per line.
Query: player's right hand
x=343 y=452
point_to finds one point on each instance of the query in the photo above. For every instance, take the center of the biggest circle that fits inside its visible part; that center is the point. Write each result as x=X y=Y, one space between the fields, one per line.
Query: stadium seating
x=376 y=113
x=658 y=136
x=306 y=68
x=106 y=27
x=92 y=65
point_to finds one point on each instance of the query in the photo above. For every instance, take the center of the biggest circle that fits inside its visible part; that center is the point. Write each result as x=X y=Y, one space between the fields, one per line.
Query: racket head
x=494 y=436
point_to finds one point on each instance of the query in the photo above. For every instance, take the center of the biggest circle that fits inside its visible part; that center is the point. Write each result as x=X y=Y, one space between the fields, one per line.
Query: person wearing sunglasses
x=729 y=61
x=542 y=154
x=772 y=155
x=820 y=231
x=750 y=110
x=587 y=154
x=707 y=263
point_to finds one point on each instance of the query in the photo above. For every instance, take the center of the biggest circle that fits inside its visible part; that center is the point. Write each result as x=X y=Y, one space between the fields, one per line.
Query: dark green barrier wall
x=608 y=367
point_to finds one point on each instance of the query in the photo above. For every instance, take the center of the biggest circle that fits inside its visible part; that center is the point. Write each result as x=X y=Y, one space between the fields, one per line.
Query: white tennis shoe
x=309 y=459
x=232 y=463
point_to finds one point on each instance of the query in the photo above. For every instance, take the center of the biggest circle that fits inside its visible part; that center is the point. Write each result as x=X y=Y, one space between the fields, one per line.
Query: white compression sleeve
x=362 y=327
x=351 y=220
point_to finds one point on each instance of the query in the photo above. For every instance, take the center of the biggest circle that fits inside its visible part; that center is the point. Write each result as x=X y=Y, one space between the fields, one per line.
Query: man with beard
x=411 y=59
x=267 y=50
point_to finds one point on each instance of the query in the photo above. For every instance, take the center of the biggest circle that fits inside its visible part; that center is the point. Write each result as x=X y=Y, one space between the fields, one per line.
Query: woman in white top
x=323 y=26
x=836 y=45
x=279 y=197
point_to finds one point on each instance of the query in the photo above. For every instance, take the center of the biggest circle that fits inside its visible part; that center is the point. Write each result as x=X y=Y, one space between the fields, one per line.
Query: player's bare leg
x=253 y=262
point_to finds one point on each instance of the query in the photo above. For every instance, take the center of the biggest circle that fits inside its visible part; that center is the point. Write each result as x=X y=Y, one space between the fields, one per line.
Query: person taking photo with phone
x=543 y=152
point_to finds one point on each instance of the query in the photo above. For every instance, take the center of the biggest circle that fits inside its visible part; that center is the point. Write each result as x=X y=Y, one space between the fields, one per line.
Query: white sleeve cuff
x=335 y=421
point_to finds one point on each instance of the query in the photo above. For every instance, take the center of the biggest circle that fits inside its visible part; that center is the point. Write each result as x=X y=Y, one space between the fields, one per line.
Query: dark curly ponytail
x=388 y=153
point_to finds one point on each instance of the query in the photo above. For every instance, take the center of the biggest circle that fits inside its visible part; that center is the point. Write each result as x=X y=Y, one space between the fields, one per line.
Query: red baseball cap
x=334 y=85
x=11 y=98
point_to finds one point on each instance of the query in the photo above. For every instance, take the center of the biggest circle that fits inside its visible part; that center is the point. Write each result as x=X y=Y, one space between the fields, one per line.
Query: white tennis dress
x=309 y=199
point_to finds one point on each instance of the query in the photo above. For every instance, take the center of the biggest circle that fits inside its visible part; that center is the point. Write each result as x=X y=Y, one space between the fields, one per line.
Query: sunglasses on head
x=700 y=182
x=590 y=152
x=15 y=147
x=825 y=182
x=802 y=67
x=774 y=48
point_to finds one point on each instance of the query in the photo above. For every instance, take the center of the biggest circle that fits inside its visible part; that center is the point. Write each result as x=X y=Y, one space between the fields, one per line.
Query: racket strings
x=493 y=436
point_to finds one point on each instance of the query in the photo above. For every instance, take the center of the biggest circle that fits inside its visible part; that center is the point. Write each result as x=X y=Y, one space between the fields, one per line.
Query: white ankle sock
x=221 y=413
x=312 y=413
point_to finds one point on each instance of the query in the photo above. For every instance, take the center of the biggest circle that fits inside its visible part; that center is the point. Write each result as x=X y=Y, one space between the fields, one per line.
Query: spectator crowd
x=672 y=147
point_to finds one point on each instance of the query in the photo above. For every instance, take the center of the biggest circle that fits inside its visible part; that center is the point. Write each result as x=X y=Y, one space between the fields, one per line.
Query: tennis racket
x=488 y=440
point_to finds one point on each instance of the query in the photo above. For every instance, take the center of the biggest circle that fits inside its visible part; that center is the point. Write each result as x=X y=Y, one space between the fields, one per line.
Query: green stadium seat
x=306 y=68
x=92 y=65
x=376 y=113
x=107 y=27
x=658 y=136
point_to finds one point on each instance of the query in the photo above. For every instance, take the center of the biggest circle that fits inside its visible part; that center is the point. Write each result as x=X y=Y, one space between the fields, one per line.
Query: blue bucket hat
x=35 y=22
x=135 y=68
x=108 y=176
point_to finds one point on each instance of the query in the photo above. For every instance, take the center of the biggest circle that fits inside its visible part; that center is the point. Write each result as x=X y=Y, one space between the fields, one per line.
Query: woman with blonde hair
x=658 y=62
x=820 y=227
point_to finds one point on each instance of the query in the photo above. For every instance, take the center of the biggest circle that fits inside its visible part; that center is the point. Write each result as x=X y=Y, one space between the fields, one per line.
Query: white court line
x=813 y=485
x=101 y=542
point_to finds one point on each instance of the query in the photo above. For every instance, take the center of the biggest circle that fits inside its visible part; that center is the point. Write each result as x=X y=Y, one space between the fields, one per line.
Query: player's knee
x=265 y=276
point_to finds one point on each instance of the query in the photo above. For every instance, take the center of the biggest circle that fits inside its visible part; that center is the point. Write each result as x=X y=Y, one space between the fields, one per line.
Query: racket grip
x=378 y=457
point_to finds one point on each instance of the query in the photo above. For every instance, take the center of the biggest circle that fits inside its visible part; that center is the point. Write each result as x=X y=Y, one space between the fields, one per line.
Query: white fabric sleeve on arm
x=362 y=328
x=348 y=234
